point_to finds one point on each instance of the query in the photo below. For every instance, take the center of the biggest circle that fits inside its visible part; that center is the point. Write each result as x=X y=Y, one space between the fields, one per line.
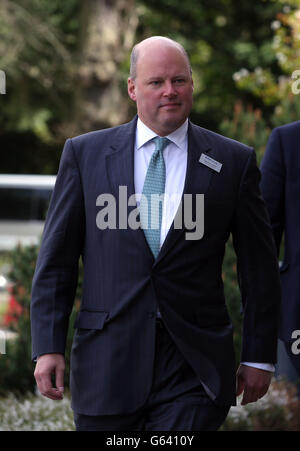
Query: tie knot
x=161 y=143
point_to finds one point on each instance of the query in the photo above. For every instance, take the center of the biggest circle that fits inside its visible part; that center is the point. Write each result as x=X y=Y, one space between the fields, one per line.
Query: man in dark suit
x=153 y=348
x=280 y=187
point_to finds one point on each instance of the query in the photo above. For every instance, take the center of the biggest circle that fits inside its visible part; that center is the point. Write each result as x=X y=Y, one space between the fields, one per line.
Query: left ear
x=131 y=89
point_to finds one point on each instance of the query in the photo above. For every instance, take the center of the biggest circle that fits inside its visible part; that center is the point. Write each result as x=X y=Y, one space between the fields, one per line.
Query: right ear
x=131 y=89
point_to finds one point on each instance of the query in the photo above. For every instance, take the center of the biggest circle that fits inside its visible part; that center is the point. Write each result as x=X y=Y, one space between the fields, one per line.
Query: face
x=163 y=87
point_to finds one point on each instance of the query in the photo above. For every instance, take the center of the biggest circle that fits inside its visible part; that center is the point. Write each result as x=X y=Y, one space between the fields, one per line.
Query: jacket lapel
x=120 y=171
x=120 y=159
x=197 y=180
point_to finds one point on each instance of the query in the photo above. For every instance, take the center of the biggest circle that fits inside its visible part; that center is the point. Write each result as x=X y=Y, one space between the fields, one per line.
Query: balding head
x=152 y=42
x=161 y=84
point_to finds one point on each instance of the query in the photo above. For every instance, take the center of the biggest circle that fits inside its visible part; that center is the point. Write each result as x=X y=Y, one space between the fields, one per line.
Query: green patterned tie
x=151 y=200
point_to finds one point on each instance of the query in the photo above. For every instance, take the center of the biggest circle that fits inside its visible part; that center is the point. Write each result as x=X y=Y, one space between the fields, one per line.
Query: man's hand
x=253 y=382
x=48 y=365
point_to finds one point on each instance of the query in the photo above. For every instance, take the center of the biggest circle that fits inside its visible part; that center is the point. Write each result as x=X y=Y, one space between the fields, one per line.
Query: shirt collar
x=145 y=134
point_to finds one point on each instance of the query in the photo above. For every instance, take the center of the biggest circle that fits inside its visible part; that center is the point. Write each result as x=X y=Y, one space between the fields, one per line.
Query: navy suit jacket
x=280 y=186
x=113 y=349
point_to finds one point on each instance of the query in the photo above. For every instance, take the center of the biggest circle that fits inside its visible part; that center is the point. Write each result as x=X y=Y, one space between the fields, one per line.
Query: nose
x=169 y=90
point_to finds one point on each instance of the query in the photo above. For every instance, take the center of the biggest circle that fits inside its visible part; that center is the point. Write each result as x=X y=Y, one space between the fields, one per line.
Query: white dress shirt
x=175 y=156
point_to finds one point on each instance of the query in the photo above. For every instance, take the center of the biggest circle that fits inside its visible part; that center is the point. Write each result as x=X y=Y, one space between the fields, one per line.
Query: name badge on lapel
x=210 y=162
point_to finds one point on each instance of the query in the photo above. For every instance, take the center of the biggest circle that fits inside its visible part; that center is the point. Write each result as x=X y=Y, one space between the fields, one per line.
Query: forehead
x=159 y=59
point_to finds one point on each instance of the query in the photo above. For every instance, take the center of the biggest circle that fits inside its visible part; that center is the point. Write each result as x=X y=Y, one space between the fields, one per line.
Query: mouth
x=170 y=105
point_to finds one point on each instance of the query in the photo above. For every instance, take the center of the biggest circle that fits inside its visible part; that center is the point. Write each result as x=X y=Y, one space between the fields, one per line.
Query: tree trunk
x=107 y=35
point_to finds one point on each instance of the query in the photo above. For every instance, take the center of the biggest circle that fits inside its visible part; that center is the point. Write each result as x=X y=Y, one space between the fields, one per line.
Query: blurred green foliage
x=16 y=366
x=37 y=48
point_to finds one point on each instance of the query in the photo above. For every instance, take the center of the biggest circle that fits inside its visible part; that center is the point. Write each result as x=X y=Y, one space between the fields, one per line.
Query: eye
x=155 y=82
x=179 y=81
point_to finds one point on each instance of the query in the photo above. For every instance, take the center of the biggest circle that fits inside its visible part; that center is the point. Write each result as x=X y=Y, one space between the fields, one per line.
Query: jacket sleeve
x=257 y=268
x=272 y=185
x=56 y=274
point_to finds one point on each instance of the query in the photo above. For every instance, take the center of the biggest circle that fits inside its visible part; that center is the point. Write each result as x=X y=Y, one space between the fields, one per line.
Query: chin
x=171 y=125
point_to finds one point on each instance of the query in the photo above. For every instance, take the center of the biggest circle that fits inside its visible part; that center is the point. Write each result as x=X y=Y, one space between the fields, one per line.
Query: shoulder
x=223 y=144
x=286 y=132
x=289 y=128
x=284 y=140
x=103 y=136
